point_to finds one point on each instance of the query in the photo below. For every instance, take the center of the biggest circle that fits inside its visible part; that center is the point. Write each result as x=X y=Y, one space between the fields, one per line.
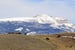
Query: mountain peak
x=38 y=24
x=43 y=15
x=43 y=18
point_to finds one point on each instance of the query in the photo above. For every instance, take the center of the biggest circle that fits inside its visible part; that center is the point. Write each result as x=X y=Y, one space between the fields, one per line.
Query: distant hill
x=37 y=42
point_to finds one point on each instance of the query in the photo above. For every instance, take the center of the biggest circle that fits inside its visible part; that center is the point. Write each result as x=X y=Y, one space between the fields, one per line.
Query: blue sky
x=29 y=8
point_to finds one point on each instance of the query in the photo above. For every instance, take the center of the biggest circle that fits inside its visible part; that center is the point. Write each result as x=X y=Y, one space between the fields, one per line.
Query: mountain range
x=39 y=24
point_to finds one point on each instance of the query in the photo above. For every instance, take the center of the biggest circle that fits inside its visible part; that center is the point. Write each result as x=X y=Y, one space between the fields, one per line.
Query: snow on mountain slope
x=18 y=19
x=19 y=29
x=45 y=19
x=40 y=24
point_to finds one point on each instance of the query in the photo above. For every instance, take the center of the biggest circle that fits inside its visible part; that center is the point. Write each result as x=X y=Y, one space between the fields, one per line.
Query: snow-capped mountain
x=40 y=24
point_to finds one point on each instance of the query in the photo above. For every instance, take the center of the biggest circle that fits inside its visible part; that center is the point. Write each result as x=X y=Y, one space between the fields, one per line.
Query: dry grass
x=22 y=42
x=37 y=42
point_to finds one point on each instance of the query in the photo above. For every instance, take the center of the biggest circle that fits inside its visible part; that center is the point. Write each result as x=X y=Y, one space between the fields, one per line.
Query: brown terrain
x=63 y=41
